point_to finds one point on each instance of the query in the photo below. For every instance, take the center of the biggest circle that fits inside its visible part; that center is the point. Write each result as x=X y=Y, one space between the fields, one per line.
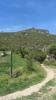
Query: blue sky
x=16 y=15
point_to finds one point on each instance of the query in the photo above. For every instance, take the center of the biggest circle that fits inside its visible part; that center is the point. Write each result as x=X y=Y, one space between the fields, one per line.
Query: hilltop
x=31 y=38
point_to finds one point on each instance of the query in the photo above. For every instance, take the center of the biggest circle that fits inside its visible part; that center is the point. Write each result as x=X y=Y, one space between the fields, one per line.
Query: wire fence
x=5 y=62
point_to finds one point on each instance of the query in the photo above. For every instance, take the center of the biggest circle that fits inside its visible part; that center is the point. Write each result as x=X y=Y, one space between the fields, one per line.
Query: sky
x=16 y=15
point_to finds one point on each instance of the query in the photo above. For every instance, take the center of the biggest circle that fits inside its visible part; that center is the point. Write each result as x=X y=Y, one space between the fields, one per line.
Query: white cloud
x=11 y=29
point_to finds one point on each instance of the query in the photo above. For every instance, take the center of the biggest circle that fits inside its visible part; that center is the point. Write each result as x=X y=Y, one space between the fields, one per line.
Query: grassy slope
x=8 y=84
x=47 y=92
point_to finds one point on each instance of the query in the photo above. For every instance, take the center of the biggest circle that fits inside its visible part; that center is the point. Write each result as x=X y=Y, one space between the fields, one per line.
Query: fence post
x=11 y=63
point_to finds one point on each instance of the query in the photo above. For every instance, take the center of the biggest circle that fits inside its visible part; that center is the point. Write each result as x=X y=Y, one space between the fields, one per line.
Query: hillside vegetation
x=30 y=38
x=21 y=54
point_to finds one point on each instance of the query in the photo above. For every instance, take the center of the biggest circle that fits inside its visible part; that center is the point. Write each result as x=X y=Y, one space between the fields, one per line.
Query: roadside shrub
x=39 y=56
x=29 y=62
x=17 y=74
x=52 y=50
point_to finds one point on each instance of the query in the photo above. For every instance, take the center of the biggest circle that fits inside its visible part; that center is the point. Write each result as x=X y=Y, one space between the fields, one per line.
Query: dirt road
x=31 y=89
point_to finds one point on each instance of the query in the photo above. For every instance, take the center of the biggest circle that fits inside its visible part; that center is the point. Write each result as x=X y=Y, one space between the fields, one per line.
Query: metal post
x=11 y=63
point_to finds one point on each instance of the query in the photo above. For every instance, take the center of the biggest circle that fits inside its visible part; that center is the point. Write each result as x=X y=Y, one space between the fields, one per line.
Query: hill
x=31 y=38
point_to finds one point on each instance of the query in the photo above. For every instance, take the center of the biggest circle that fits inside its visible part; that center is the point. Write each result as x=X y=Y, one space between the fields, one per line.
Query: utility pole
x=11 y=63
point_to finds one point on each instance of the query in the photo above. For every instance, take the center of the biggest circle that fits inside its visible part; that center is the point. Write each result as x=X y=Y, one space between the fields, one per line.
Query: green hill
x=31 y=38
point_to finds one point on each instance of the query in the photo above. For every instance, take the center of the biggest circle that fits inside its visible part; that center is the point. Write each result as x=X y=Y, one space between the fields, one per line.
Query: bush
x=17 y=74
x=29 y=62
x=23 y=51
x=52 y=50
x=39 y=56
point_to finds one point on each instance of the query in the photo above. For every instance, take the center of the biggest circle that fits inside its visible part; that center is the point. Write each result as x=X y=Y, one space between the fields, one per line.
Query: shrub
x=39 y=56
x=52 y=50
x=17 y=74
x=23 y=51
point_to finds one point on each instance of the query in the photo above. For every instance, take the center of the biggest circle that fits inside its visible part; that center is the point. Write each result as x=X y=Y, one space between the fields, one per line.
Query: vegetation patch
x=51 y=64
x=21 y=76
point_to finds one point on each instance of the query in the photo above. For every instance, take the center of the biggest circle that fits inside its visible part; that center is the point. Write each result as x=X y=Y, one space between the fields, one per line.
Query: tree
x=39 y=56
x=52 y=50
x=23 y=51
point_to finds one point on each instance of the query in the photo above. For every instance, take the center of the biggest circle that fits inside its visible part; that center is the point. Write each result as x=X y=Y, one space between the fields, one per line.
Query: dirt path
x=31 y=89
